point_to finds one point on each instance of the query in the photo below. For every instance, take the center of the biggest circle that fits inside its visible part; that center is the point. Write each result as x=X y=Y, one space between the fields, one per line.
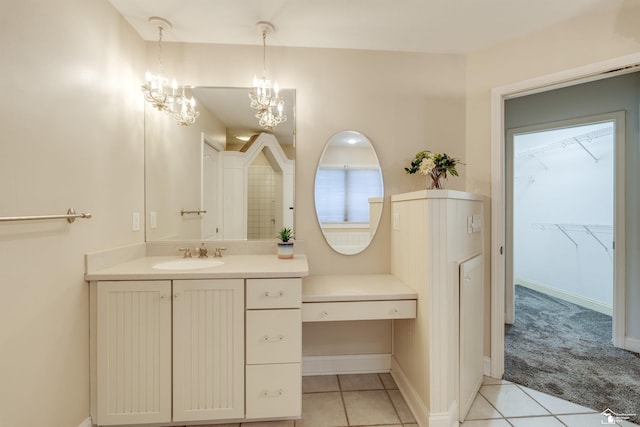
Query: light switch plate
x=153 y=220
x=135 y=223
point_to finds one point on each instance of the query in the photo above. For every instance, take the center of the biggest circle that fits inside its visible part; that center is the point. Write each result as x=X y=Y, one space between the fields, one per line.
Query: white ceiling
x=432 y=26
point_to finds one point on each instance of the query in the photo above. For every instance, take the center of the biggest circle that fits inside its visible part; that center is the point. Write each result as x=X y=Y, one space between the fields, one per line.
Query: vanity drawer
x=274 y=391
x=273 y=336
x=274 y=293
x=358 y=310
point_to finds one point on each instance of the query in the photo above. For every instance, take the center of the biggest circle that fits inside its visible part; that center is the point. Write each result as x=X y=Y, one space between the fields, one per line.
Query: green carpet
x=565 y=350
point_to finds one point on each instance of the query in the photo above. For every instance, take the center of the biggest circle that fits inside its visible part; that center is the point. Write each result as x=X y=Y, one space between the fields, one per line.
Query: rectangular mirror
x=224 y=177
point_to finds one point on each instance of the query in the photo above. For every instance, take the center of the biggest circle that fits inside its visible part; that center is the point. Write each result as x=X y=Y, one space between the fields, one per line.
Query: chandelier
x=265 y=97
x=165 y=96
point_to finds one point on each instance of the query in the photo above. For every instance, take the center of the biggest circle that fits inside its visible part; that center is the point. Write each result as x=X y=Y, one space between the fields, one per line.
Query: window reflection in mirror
x=349 y=192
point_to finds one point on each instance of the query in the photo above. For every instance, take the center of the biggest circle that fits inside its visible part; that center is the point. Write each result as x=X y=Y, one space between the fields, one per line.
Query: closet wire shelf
x=565 y=229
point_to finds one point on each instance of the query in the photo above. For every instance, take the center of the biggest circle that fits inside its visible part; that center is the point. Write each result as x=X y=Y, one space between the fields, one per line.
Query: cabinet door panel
x=208 y=349
x=133 y=352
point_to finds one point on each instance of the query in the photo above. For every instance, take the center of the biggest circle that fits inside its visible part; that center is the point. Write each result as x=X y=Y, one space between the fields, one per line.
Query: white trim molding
x=632 y=344
x=346 y=364
x=86 y=423
x=499 y=94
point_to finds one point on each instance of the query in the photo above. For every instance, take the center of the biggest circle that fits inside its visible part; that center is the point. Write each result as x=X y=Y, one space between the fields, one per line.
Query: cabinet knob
x=394 y=311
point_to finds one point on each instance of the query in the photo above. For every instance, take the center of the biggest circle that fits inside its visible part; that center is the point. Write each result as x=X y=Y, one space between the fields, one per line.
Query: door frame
x=583 y=74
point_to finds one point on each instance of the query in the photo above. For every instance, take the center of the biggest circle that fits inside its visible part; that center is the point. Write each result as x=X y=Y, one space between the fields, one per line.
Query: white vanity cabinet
x=139 y=376
x=274 y=348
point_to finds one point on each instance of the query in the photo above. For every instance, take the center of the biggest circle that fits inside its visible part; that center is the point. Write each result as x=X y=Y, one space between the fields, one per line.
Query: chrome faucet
x=218 y=252
x=187 y=252
x=202 y=251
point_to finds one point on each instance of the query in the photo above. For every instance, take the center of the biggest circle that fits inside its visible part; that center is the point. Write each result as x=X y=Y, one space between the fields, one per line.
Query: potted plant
x=435 y=166
x=285 y=247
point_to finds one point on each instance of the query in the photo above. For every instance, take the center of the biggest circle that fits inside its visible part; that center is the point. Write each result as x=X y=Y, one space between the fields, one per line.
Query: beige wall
x=71 y=136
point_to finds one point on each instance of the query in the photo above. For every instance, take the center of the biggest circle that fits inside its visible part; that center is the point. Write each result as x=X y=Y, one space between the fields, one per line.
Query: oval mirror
x=349 y=192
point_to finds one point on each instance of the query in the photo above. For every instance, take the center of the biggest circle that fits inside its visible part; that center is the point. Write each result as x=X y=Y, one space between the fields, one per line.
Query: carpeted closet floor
x=565 y=350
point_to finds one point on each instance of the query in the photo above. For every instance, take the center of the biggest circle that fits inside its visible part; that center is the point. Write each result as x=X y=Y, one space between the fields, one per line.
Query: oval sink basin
x=187 y=264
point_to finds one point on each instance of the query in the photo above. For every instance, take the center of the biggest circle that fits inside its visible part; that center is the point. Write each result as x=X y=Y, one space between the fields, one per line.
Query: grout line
x=344 y=405
x=489 y=402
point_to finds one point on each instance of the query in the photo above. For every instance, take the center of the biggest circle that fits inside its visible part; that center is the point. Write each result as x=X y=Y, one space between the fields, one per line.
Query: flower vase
x=433 y=182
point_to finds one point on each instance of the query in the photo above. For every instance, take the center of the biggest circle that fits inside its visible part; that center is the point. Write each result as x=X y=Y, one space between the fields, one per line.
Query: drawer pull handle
x=394 y=311
x=324 y=313
x=276 y=393
x=267 y=338
x=274 y=294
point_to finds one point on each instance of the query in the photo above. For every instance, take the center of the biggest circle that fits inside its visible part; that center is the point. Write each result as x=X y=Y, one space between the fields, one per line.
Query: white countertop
x=355 y=287
x=235 y=266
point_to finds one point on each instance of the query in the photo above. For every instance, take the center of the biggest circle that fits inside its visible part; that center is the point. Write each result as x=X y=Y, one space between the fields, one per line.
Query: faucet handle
x=202 y=251
x=218 y=252
x=187 y=252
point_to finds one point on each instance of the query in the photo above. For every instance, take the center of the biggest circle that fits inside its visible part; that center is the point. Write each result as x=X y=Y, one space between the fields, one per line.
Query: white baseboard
x=346 y=364
x=632 y=344
x=419 y=410
x=86 y=423
x=566 y=296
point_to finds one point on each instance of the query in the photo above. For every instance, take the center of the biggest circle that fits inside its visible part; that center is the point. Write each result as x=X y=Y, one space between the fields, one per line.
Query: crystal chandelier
x=264 y=97
x=164 y=96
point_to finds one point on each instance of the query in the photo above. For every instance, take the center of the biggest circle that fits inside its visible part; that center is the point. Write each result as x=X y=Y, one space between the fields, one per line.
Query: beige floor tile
x=582 y=420
x=511 y=401
x=401 y=407
x=360 y=382
x=388 y=381
x=369 y=408
x=535 y=422
x=486 y=423
x=481 y=409
x=322 y=410
x=320 y=383
x=279 y=423
x=556 y=405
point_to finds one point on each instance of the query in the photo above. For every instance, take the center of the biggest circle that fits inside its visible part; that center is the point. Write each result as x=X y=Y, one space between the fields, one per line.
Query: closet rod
x=70 y=216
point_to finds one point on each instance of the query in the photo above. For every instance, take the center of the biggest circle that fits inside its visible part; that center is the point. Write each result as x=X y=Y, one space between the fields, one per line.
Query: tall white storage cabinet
x=433 y=234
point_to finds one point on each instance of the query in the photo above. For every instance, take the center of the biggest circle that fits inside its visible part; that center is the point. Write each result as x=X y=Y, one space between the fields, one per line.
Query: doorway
x=561 y=210
x=625 y=200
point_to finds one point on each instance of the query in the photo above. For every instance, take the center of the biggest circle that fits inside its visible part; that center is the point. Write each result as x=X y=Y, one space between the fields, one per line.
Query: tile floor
x=504 y=404
x=374 y=399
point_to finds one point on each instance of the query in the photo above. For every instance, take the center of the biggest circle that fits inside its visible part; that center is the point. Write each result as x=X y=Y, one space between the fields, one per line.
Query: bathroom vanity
x=189 y=345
